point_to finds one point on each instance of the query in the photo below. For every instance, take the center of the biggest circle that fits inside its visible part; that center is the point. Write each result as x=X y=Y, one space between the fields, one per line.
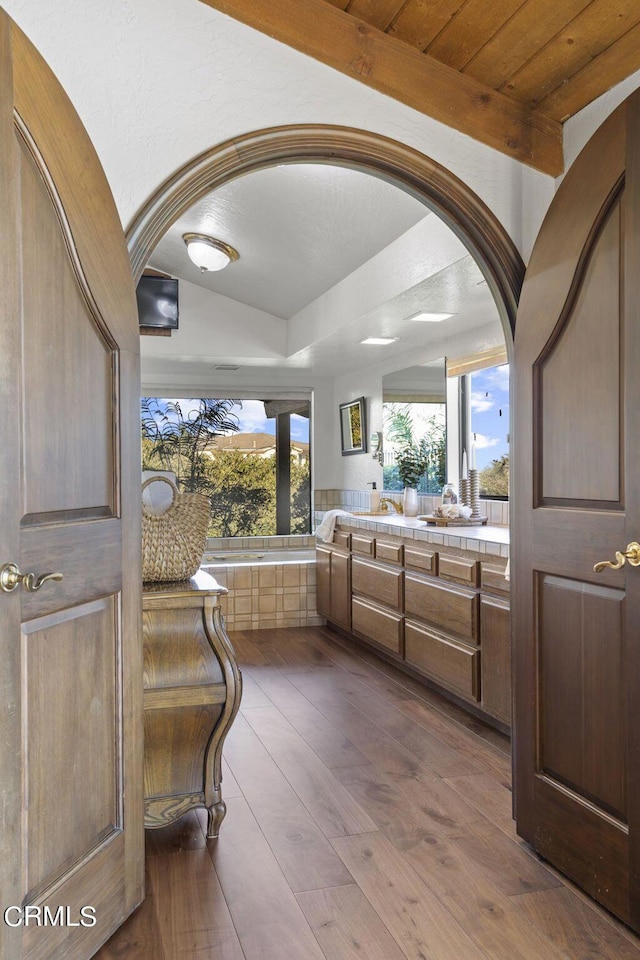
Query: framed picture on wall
x=353 y=427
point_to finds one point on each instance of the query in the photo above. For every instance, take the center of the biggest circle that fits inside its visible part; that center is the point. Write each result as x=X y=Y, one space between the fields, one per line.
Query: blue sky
x=252 y=419
x=490 y=398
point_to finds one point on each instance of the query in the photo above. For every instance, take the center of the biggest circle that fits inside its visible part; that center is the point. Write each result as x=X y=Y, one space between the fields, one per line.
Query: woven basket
x=173 y=542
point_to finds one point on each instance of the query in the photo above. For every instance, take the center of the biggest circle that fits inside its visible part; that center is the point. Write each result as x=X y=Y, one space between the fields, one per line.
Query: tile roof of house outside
x=261 y=444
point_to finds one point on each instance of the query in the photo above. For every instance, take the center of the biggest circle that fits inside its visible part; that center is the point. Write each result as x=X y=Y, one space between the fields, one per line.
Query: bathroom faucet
x=396 y=506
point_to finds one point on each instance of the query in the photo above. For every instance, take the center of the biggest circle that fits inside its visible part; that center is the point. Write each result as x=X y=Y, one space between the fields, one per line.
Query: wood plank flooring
x=368 y=819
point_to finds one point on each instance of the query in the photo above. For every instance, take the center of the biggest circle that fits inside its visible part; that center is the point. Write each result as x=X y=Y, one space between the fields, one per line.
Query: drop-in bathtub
x=267 y=588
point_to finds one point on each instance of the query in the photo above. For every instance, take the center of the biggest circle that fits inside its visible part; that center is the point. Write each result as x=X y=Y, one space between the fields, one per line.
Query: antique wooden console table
x=192 y=690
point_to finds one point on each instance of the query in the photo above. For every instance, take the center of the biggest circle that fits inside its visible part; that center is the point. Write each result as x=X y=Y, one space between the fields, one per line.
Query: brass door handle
x=632 y=554
x=10 y=578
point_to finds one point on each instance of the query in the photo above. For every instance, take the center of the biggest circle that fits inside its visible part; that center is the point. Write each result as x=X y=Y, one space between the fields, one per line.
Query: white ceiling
x=328 y=257
x=298 y=228
x=460 y=289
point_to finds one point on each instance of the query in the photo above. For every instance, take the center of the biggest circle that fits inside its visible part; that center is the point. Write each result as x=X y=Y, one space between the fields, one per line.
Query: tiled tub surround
x=277 y=590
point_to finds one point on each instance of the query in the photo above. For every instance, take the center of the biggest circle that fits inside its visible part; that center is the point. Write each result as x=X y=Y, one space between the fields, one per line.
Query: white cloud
x=480 y=402
x=252 y=417
x=482 y=441
x=498 y=378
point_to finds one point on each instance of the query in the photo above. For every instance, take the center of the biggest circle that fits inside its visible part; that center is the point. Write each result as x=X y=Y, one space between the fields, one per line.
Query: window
x=478 y=403
x=250 y=457
x=488 y=428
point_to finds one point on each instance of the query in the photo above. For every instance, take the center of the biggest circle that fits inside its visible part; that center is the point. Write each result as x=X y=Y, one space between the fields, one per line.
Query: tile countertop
x=489 y=538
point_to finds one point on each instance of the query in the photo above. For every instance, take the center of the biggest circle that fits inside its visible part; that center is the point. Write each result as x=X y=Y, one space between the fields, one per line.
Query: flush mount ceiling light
x=208 y=253
x=379 y=341
x=430 y=317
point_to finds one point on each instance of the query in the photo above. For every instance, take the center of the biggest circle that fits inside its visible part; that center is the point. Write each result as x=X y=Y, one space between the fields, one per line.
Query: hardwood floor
x=367 y=818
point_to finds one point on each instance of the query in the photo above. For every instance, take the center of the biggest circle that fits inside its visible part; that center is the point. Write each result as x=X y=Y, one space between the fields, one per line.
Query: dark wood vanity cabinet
x=442 y=612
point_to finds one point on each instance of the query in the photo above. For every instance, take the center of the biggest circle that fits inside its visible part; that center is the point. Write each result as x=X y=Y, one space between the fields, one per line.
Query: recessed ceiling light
x=431 y=317
x=379 y=341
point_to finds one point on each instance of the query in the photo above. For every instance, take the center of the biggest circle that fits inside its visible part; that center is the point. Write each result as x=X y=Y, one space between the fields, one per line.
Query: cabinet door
x=495 y=624
x=323 y=581
x=341 y=589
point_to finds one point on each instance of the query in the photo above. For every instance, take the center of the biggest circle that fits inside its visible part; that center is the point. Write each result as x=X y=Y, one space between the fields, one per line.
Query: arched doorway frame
x=441 y=191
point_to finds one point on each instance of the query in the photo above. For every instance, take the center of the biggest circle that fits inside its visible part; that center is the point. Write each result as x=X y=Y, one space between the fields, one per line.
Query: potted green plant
x=412 y=463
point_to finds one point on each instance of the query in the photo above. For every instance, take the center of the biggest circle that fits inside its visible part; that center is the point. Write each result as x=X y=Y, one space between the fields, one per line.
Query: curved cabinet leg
x=216 y=812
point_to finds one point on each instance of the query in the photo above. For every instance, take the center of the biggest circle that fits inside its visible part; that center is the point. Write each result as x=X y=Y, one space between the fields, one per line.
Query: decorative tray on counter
x=451 y=522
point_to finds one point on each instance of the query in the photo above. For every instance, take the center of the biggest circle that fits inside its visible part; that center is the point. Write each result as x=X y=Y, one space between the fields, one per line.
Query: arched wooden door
x=71 y=838
x=576 y=485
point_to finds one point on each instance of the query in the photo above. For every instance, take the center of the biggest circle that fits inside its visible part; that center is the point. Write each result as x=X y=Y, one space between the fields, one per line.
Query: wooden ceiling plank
x=341 y=4
x=616 y=63
x=319 y=30
x=585 y=38
x=379 y=13
x=422 y=20
x=466 y=33
x=533 y=25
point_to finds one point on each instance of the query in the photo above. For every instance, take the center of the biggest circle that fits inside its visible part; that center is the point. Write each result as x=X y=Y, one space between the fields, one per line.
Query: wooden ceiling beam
x=321 y=30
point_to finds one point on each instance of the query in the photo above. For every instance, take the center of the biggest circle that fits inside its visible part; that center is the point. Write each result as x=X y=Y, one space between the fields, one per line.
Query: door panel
x=580 y=659
x=586 y=353
x=69 y=738
x=71 y=652
x=576 y=501
x=80 y=458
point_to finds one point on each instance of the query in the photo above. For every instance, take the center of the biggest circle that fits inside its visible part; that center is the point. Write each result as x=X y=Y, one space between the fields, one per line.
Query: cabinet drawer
x=492 y=578
x=377 y=624
x=380 y=583
x=391 y=552
x=426 y=560
x=459 y=569
x=362 y=544
x=450 y=664
x=342 y=539
x=453 y=609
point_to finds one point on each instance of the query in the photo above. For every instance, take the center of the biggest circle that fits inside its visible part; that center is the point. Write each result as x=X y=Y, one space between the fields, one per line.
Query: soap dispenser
x=374 y=497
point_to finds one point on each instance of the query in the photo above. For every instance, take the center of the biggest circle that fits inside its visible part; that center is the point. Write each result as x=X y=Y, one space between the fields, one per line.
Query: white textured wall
x=212 y=326
x=158 y=82
x=578 y=130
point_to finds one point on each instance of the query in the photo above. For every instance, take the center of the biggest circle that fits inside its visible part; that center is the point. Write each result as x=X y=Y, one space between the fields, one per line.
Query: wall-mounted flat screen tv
x=158 y=302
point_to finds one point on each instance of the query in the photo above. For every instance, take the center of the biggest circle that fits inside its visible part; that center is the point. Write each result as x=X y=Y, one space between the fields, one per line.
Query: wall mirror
x=353 y=428
x=415 y=406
